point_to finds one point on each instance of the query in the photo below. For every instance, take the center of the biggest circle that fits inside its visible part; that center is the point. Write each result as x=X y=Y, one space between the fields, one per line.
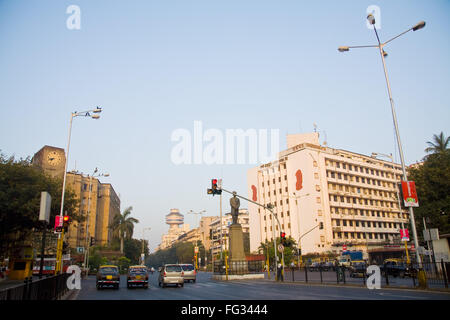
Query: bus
x=50 y=264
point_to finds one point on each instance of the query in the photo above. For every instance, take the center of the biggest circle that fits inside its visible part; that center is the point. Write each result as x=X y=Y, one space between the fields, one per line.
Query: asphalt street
x=205 y=288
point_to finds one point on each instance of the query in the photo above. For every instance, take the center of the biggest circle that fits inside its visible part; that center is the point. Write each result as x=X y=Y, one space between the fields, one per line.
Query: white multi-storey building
x=354 y=196
x=227 y=219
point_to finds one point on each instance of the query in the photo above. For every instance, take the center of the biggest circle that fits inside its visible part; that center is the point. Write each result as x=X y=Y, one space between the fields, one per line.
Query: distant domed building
x=175 y=220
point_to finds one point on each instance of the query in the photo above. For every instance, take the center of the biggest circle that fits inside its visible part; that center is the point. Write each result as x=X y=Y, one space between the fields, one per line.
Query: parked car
x=358 y=269
x=328 y=266
x=397 y=268
x=314 y=266
x=189 y=272
x=137 y=276
x=171 y=274
x=108 y=275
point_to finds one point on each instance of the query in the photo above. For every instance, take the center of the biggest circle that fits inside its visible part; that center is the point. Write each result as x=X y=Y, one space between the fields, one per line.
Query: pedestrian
x=278 y=271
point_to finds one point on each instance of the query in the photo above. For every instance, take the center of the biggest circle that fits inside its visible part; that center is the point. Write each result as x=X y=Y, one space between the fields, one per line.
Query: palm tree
x=124 y=225
x=439 y=144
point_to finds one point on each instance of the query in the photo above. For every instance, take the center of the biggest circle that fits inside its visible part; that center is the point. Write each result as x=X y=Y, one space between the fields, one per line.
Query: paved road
x=207 y=289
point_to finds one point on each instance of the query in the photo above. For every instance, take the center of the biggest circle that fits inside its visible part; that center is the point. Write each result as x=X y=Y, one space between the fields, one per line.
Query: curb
x=351 y=285
x=70 y=295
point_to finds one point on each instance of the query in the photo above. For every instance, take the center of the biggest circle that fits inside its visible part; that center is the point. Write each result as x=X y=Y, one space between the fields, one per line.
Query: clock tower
x=51 y=160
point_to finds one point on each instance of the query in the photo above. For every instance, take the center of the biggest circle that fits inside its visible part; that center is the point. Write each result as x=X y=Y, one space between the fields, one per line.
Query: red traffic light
x=214 y=181
x=283 y=234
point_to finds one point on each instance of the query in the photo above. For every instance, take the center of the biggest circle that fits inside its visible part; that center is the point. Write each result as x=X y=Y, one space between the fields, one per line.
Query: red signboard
x=404 y=234
x=58 y=223
x=344 y=247
x=409 y=194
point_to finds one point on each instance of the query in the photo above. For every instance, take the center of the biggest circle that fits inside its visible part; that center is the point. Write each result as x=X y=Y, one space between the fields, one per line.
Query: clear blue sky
x=155 y=66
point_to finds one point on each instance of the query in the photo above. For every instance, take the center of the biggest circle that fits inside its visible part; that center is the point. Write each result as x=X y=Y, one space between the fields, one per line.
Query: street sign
x=344 y=247
x=280 y=247
x=46 y=200
x=80 y=249
x=404 y=234
x=430 y=234
x=58 y=224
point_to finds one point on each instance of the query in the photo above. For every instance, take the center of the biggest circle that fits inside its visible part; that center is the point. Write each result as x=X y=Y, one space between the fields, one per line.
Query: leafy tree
x=290 y=250
x=439 y=144
x=21 y=185
x=124 y=225
x=432 y=180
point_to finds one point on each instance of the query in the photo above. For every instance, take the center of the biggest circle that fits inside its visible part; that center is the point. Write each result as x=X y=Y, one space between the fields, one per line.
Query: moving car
x=358 y=269
x=108 y=275
x=171 y=274
x=137 y=276
x=189 y=272
x=397 y=268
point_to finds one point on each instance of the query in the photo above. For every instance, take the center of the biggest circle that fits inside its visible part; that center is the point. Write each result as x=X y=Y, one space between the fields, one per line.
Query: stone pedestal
x=236 y=243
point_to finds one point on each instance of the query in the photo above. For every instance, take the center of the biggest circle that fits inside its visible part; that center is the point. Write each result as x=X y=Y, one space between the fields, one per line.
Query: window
x=318 y=199
x=337 y=165
x=344 y=166
x=315 y=163
x=316 y=175
x=344 y=223
x=332 y=175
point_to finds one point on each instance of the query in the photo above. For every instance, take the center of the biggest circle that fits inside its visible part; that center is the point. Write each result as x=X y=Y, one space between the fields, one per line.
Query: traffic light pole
x=268 y=207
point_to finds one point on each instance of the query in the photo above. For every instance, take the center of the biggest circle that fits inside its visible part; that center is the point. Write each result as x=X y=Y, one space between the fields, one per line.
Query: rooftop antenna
x=315 y=127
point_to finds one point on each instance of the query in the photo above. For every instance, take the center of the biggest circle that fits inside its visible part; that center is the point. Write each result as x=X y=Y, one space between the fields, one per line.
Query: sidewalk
x=7 y=283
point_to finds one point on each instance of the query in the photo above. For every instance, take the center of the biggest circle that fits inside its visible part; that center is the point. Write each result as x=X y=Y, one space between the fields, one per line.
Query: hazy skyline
x=155 y=67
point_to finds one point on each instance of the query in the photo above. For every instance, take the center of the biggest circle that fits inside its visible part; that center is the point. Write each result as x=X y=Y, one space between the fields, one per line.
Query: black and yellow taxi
x=108 y=276
x=137 y=276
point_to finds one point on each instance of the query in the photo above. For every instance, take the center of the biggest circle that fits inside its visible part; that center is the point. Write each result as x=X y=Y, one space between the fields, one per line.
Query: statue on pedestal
x=235 y=203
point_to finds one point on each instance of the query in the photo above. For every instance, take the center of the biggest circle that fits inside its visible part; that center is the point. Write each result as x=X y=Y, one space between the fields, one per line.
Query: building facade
x=353 y=196
x=98 y=201
x=216 y=227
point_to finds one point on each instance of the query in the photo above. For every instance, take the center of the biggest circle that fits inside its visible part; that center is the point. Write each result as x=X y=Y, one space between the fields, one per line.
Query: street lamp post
x=87 y=238
x=383 y=54
x=197 y=213
x=95 y=115
x=297 y=197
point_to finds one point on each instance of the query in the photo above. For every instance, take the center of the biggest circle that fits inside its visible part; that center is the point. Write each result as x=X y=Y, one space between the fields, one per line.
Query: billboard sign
x=404 y=234
x=409 y=194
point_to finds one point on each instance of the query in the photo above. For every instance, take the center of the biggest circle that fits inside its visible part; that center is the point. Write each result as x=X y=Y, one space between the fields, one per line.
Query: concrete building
x=353 y=195
x=215 y=226
x=104 y=203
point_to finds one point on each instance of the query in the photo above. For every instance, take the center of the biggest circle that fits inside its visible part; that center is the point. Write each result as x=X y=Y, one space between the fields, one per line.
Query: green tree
x=432 y=180
x=21 y=185
x=439 y=144
x=290 y=250
x=123 y=224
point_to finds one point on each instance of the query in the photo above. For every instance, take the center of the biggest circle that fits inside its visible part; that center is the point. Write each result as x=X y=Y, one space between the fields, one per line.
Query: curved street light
x=383 y=54
x=75 y=114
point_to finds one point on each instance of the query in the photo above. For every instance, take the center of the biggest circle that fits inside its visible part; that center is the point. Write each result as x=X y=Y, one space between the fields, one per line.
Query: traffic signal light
x=321 y=225
x=92 y=241
x=66 y=222
x=283 y=238
x=214 y=188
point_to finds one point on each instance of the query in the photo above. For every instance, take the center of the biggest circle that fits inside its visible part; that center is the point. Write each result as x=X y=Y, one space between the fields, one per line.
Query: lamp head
x=371 y=18
x=95 y=116
x=418 y=26
x=98 y=110
x=343 y=49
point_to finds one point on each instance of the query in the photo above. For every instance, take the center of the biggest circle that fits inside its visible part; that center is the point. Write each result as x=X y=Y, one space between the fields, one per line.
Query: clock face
x=54 y=158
